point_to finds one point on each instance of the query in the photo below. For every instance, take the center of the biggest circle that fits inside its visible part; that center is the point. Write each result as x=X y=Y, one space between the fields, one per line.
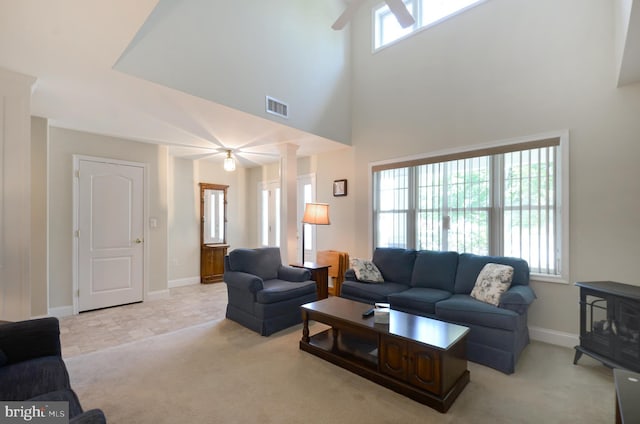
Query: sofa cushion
x=464 y=309
x=470 y=265
x=493 y=280
x=278 y=290
x=373 y=292
x=395 y=265
x=366 y=270
x=435 y=270
x=418 y=298
x=263 y=262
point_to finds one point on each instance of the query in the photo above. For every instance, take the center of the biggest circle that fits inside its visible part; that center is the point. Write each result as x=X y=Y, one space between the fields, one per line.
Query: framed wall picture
x=340 y=188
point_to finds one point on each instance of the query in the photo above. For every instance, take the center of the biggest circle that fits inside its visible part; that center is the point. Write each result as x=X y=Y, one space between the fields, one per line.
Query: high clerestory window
x=425 y=12
x=508 y=200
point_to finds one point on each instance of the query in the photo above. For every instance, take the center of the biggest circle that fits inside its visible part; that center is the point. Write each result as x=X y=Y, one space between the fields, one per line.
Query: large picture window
x=503 y=200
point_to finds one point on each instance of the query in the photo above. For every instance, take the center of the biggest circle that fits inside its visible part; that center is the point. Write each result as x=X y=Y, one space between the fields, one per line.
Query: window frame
x=417 y=26
x=562 y=194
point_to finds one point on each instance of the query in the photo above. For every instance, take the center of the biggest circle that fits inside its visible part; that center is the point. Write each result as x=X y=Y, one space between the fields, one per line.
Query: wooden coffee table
x=421 y=358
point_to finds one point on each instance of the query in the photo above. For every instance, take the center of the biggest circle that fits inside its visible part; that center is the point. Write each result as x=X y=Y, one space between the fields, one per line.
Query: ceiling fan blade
x=346 y=16
x=399 y=9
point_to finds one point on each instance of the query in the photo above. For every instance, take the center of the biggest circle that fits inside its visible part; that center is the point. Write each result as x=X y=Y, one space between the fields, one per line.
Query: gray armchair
x=32 y=369
x=264 y=295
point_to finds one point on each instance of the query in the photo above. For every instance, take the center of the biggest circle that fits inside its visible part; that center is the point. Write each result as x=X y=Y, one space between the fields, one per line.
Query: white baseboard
x=554 y=337
x=61 y=311
x=181 y=282
x=157 y=294
x=65 y=311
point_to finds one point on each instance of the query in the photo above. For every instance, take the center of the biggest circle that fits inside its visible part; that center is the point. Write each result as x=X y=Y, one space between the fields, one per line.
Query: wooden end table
x=319 y=274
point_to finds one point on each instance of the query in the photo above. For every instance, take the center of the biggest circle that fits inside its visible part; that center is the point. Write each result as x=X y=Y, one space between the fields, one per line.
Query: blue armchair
x=264 y=295
x=32 y=369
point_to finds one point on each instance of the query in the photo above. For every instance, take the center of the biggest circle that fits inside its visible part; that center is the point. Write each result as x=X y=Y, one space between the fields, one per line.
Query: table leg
x=321 y=277
x=577 y=356
x=305 y=326
x=334 y=345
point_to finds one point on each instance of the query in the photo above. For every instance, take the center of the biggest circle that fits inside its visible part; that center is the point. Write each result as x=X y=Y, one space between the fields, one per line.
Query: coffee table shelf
x=350 y=348
x=421 y=358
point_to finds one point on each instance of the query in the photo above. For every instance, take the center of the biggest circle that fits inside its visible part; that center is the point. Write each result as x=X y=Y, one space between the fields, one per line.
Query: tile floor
x=185 y=306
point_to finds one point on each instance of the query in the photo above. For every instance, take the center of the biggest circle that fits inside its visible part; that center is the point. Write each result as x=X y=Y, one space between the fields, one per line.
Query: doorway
x=269 y=213
x=109 y=250
x=306 y=194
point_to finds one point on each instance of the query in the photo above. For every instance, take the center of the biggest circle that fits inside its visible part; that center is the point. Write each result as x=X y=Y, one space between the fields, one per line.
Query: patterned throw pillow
x=366 y=270
x=493 y=280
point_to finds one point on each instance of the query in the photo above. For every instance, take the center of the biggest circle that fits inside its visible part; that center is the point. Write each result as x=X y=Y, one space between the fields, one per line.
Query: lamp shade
x=316 y=213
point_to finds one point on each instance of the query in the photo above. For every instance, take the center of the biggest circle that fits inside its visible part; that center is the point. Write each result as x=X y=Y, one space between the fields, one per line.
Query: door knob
x=138 y=241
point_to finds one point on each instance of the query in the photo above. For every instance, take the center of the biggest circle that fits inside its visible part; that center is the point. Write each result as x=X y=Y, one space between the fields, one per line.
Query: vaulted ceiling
x=193 y=74
x=72 y=48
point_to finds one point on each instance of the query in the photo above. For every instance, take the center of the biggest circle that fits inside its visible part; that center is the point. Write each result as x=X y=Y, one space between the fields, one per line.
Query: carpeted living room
x=475 y=162
x=214 y=370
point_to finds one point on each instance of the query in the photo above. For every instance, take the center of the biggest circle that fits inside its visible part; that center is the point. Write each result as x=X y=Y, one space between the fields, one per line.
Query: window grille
x=497 y=201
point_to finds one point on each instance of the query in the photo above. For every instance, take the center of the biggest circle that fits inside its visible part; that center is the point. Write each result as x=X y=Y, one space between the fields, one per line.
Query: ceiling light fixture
x=229 y=162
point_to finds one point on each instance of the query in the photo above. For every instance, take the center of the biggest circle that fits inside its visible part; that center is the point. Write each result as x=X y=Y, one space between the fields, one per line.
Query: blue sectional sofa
x=438 y=285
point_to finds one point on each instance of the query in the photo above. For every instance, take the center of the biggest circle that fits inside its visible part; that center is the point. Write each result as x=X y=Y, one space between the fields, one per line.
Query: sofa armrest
x=293 y=274
x=34 y=338
x=92 y=416
x=517 y=298
x=350 y=275
x=243 y=281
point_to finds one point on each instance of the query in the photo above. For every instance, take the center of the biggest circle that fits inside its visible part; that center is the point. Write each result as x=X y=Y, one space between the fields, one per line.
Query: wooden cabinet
x=213 y=232
x=417 y=365
x=212 y=262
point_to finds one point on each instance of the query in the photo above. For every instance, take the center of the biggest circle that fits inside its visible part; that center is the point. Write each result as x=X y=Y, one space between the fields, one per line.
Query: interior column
x=288 y=203
x=15 y=195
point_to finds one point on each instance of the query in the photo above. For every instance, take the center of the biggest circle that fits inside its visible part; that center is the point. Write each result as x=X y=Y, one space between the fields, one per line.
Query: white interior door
x=110 y=238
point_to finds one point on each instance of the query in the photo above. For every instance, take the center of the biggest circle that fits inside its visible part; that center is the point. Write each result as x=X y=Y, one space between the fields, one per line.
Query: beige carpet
x=220 y=372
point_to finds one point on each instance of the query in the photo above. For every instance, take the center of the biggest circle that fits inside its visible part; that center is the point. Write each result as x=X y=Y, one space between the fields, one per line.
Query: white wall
x=184 y=223
x=237 y=53
x=505 y=69
x=341 y=234
x=63 y=144
x=184 y=214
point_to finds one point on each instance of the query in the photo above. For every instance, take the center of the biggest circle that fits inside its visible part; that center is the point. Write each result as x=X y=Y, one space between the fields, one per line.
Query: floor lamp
x=315 y=214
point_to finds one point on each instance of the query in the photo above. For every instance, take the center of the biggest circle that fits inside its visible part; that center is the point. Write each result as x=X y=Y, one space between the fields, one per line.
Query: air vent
x=276 y=107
